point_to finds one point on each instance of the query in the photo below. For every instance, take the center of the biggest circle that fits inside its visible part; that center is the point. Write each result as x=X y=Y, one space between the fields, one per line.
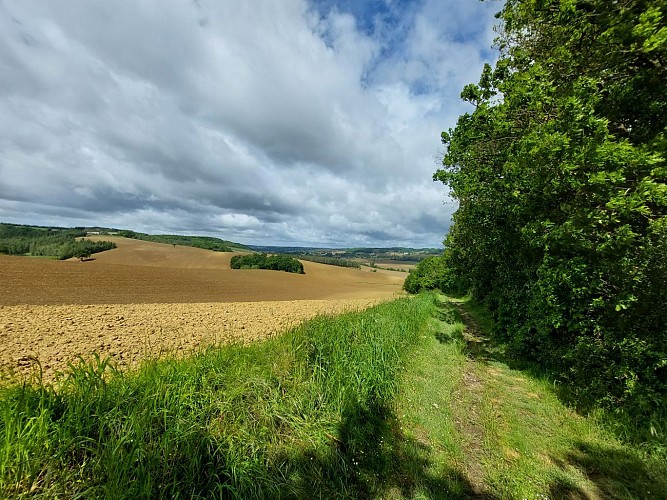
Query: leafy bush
x=561 y=172
x=430 y=274
x=264 y=261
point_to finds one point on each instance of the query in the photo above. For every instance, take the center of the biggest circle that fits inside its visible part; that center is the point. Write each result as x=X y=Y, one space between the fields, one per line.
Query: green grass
x=487 y=429
x=404 y=400
x=288 y=417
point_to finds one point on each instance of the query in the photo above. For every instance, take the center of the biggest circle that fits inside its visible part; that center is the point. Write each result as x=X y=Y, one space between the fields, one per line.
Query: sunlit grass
x=394 y=402
x=284 y=417
x=504 y=432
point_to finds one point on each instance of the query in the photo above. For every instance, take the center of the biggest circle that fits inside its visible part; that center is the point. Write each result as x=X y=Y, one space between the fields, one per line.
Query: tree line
x=48 y=242
x=264 y=261
x=331 y=261
x=205 y=242
x=560 y=175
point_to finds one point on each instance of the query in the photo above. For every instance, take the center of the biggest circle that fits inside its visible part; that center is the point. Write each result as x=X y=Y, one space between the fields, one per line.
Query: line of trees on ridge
x=331 y=261
x=205 y=242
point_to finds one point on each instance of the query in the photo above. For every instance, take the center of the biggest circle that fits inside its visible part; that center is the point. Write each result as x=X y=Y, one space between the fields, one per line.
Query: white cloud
x=269 y=122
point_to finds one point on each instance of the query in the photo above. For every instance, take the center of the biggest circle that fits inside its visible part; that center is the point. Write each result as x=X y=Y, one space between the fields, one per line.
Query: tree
x=560 y=173
x=82 y=253
x=263 y=261
x=430 y=274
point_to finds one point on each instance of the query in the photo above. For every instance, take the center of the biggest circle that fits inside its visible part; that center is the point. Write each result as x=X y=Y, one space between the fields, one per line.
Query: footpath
x=473 y=426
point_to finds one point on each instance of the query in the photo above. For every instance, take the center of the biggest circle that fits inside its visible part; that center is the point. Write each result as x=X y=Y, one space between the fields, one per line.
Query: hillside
x=146 y=272
x=205 y=242
x=21 y=239
x=144 y=298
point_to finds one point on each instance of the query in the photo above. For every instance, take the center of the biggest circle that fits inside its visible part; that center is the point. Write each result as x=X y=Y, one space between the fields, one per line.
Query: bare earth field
x=146 y=299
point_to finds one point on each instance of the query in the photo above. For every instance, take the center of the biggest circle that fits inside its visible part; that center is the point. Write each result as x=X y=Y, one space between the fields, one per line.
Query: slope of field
x=132 y=252
x=143 y=299
x=146 y=272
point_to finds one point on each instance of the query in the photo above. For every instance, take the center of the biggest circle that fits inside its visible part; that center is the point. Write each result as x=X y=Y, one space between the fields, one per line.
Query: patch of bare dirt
x=144 y=299
x=56 y=335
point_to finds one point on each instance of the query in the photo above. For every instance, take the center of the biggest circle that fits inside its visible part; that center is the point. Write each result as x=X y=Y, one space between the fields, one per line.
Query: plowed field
x=146 y=299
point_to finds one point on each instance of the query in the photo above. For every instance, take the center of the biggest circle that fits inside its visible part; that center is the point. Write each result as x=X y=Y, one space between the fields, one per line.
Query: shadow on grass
x=449 y=315
x=372 y=458
x=613 y=471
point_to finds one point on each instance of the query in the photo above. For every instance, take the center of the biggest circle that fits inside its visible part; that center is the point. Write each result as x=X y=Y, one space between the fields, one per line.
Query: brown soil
x=56 y=335
x=146 y=272
x=144 y=299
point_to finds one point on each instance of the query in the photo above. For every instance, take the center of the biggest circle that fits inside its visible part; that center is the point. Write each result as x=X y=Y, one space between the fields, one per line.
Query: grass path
x=407 y=399
x=489 y=431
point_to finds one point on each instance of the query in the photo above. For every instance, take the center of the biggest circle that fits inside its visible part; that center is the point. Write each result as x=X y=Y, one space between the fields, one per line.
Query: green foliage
x=264 y=261
x=292 y=417
x=331 y=261
x=82 y=249
x=560 y=172
x=431 y=273
x=48 y=242
x=205 y=242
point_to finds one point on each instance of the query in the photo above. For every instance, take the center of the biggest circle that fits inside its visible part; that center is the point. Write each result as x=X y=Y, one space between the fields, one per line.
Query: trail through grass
x=494 y=432
x=405 y=400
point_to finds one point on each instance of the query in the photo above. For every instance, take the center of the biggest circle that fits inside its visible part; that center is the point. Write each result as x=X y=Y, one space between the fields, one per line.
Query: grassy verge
x=405 y=400
x=303 y=415
x=484 y=429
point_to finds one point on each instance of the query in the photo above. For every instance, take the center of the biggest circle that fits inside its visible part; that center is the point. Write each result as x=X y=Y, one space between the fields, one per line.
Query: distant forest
x=53 y=242
x=331 y=261
x=206 y=242
x=398 y=254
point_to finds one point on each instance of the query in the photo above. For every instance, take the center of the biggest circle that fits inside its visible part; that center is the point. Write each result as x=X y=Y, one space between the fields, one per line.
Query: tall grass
x=281 y=418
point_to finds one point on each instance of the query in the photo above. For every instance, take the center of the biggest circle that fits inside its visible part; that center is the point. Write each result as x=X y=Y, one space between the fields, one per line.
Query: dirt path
x=480 y=428
x=467 y=416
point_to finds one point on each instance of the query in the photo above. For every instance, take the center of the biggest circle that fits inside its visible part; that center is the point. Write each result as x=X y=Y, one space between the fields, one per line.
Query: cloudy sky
x=285 y=122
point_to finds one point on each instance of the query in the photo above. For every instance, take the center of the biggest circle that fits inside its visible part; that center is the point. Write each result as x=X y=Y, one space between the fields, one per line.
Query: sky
x=291 y=122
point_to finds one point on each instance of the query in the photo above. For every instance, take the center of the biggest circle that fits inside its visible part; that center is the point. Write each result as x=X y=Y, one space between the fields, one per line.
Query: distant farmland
x=146 y=298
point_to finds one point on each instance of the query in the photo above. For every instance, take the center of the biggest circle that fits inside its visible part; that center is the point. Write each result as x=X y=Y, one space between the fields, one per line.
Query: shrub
x=430 y=274
x=264 y=261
